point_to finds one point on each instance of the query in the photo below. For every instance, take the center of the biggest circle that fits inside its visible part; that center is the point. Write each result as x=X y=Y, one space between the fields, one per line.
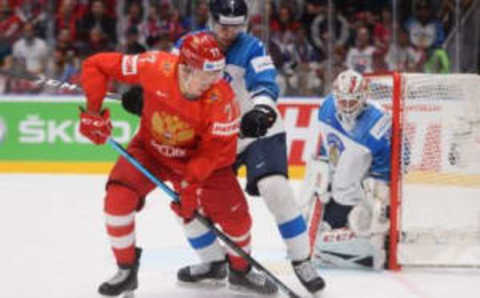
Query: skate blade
x=249 y=292
x=207 y=284
x=127 y=294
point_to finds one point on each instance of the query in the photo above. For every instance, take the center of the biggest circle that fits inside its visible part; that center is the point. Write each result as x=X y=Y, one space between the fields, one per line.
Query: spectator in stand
x=98 y=18
x=311 y=9
x=360 y=57
x=97 y=42
x=34 y=12
x=65 y=44
x=162 y=42
x=402 y=56
x=438 y=61
x=319 y=30
x=175 y=27
x=300 y=67
x=64 y=40
x=382 y=32
x=379 y=65
x=363 y=19
x=5 y=62
x=425 y=31
x=153 y=26
x=31 y=51
x=10 y=24
x=67 y=17
x=199 y=20
x=283 y=28
x=133 y=18
x=337 y=67
x=447 y=12
x=133 y=46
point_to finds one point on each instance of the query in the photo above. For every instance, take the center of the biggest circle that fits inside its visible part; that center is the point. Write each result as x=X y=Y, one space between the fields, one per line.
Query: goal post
x=435 y=169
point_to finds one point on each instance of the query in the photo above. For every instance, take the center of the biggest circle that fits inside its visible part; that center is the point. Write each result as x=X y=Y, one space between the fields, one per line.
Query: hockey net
x=435 y=188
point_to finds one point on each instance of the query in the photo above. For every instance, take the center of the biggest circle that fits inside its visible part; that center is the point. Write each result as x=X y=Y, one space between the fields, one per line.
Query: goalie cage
x=435 y=180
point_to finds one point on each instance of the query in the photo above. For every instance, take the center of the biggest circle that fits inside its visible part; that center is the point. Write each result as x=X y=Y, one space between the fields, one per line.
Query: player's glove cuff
x=257 y=121
x=132 y=100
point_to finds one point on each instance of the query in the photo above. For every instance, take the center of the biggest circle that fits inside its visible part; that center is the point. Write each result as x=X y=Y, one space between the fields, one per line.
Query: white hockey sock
x=204 y=242
x=280 y=200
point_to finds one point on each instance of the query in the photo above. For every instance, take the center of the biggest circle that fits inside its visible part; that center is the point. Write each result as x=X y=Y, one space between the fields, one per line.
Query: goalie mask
x=350 y=91
x=227 y=19
x=201 y=64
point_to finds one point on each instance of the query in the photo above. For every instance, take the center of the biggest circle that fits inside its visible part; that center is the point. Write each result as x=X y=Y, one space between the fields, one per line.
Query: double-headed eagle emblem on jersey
x=171 y=130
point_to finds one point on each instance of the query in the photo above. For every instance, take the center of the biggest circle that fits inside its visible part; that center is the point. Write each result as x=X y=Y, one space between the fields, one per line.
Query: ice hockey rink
x=54 y=245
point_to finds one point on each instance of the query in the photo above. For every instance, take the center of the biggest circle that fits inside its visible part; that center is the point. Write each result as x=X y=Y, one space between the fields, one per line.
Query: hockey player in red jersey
x=188 y=136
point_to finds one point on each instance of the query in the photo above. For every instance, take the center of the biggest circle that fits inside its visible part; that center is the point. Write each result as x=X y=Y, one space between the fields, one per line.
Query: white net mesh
x=440 y=200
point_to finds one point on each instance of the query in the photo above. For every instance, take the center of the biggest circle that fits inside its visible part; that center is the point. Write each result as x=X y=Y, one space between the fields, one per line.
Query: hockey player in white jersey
x=262 y=146
x=347 y=180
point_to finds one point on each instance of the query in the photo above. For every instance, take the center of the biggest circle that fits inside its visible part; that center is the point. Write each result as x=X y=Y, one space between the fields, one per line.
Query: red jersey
x=192 y=138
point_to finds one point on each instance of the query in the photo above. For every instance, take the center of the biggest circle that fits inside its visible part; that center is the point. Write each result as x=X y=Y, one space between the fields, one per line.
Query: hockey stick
x=172 y=194
x=41 y=80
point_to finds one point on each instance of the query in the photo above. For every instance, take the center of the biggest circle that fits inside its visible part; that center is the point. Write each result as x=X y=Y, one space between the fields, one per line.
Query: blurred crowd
x=310 y=41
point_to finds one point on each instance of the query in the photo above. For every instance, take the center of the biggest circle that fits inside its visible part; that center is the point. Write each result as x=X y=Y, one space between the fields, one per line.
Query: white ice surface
x=54 y=244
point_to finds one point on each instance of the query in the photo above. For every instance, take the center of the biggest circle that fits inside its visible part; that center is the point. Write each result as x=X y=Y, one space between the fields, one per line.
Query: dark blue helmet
x=229 y=12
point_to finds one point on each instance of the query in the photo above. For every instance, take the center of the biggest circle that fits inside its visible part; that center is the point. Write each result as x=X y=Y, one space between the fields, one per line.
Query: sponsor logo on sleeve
x=381 y=127
x=262 y=63
x=226 y=129
x=129 y=65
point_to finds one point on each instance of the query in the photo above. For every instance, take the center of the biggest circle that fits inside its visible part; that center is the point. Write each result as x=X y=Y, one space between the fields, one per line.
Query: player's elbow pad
x=132 y=100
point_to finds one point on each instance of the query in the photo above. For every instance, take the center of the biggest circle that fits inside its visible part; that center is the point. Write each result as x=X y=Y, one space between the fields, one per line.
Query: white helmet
x=350 y=91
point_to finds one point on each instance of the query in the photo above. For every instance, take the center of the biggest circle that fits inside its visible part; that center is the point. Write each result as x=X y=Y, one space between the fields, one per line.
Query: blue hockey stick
x=172 y=194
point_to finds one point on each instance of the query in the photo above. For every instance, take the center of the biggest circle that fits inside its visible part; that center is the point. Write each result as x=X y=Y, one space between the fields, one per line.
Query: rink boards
x=40 y=135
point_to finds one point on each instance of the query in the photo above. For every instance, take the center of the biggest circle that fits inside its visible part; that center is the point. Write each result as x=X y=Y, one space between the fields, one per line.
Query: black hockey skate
x=124 y=282
x=308 y=275
x=251 y=281
x=213 y=274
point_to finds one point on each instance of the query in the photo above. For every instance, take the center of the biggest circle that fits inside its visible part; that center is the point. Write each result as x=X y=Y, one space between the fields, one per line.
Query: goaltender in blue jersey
x=349 y=177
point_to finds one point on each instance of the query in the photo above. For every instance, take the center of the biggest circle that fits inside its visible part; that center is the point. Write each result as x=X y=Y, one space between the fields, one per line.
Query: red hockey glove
x=97 y=127
x=188 y=201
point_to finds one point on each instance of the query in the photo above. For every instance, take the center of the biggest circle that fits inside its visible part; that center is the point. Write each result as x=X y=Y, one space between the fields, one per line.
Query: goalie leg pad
x=340 y=248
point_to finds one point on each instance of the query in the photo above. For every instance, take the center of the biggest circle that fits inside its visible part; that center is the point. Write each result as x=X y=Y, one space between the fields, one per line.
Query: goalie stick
x=42 y=80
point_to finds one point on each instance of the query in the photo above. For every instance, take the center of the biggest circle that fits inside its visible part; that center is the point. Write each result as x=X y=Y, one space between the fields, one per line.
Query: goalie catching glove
x=95 y=126
x=257 y=121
